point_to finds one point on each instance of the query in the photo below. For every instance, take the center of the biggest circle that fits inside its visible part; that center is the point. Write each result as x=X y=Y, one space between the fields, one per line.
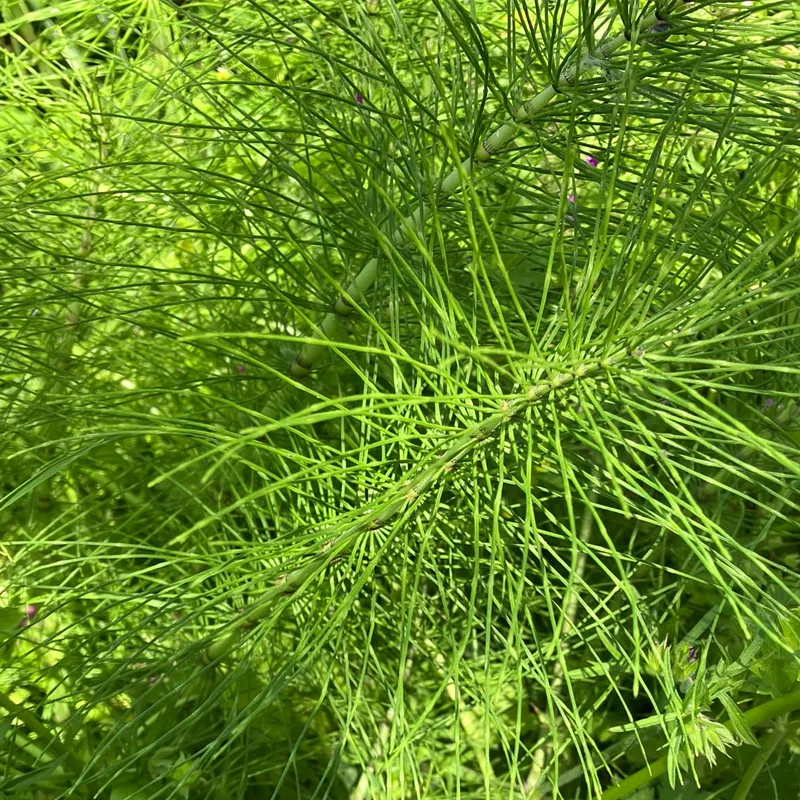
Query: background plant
x=310 y=493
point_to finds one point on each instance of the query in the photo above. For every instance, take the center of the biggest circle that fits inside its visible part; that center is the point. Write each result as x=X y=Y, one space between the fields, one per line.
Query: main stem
x=311 y=353
x=406 y=492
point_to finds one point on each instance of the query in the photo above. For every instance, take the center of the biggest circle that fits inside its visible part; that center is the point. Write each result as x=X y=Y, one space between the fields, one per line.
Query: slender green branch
x=470 y=722
x=755 y=716
x=361 y=789
x=35 y=725
x=311 y=353
x=534 y=778
x=761 y=758
x=406 y=492
x=716 y=481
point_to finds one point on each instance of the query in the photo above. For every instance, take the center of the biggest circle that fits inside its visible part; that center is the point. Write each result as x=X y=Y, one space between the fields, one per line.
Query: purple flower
x=358 y=98
x=571 y=198
x=592 y=161
x=769 y=402
x=240 y=368
x=691 y=656
x=570 y=218
x=30 y=613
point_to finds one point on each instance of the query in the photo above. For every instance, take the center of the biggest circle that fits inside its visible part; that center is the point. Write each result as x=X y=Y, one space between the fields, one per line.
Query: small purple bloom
x=358 y=98
x=30 y=613
x=769 y=402
x=592 y=161
x=240 y=368
x=691 y=656
x=571 y=198
x=570 y=218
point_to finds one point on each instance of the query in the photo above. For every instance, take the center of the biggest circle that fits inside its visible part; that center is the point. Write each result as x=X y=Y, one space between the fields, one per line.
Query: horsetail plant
x=577 y=67
x=515 y=517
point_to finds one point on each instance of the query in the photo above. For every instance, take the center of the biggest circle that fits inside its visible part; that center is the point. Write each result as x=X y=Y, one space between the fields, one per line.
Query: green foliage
x=337 y=465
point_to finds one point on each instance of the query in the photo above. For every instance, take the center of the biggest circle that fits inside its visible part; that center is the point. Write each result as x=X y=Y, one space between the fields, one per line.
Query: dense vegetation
x=335 y=465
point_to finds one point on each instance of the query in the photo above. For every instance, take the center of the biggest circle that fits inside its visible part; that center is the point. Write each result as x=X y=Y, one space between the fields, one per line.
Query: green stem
x=712 y=485
x=312 y=352
x=404 y=493
x=755 y=716
x=761 y=758
x=577 y=570
x=35 y=725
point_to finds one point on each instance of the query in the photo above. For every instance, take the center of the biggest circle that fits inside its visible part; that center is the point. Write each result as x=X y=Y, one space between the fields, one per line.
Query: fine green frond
x=398 y=399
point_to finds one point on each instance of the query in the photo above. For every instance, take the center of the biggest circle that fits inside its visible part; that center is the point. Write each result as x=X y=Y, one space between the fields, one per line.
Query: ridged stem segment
x=312 y=352
x=407 y=492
